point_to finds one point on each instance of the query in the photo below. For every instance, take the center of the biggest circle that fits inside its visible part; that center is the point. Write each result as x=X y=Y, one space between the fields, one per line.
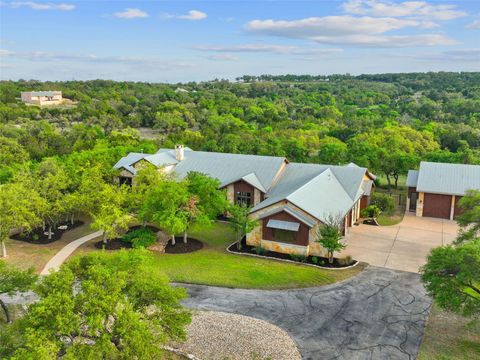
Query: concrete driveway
x=401 y=247
x=378 y=314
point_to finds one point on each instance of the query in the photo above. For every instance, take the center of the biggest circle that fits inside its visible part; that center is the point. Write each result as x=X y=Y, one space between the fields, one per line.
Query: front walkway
x=401 y=247
x=55 y=262
x=378 y=314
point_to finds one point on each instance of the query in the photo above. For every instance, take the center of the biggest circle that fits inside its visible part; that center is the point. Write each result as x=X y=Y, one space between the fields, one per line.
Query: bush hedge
x=140 y=238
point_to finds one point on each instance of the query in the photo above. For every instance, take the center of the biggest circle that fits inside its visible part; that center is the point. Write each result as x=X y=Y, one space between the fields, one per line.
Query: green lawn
x=450 y=337
x=214 y=266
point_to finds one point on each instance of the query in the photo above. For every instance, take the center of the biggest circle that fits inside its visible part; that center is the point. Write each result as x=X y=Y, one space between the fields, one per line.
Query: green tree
x=20 y=208
x=165 y=206
x=332 y=151
x=238 y=217
x=13 y=280
x=329 y=235
x=452 y=273
x=52 y=185
x=111 y=214
x=103 y=307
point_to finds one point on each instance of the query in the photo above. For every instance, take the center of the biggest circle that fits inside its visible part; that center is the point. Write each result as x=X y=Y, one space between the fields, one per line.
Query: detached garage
x=435 y=189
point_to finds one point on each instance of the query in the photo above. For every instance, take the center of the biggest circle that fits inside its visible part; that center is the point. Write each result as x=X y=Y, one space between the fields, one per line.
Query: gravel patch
x=216 y=335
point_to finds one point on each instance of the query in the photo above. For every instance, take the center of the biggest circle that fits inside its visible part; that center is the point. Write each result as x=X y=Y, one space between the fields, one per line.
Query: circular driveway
x=378 y=314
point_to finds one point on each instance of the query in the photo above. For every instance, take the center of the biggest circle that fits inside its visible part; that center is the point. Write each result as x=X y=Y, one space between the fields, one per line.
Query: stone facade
x=421 y=197
x=254 y=238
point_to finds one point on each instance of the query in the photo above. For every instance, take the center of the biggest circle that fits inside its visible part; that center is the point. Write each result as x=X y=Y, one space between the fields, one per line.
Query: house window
x=125 y=180
x=244 y=198
x=284 y=236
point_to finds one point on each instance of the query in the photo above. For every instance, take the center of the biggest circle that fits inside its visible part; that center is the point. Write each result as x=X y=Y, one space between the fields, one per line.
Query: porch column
x=452 y=207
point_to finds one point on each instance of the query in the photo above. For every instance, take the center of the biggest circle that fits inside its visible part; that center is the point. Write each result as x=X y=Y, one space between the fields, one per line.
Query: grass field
x=212 y=265
x=450 y=337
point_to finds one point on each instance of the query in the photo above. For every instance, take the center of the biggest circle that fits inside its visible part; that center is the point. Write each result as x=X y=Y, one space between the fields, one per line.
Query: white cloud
x=328 y=26
x=362 y=31
x=403 y=9
x=131 y=13
x=460 y=56
x=41 y=6
x=475 y=24
x=223 y=57
x=268 y=48
x=5 y=52
x=40 y=56
x=194 y=15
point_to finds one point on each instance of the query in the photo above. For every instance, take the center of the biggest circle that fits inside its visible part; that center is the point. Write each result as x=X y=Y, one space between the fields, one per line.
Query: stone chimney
x=179 y=152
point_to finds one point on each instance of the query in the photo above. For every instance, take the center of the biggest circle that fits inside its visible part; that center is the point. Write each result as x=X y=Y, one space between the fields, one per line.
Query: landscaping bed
x=311 y=260
x=38 y=236
x=118 y=243
x=181 y=248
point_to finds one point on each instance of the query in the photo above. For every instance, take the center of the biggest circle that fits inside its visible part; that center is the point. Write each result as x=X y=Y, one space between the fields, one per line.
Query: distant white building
x=42 y=97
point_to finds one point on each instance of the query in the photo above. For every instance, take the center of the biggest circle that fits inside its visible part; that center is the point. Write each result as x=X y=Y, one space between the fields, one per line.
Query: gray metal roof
x=412 y=178
x=367 y=187
x=451 y=179
x=290 y=211
x=320 y=190
x=231 y=167
x=283 y=225
x=317 y=189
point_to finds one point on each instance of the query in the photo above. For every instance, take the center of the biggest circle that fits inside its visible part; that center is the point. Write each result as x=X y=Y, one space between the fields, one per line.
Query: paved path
x=401 y=247
x=379 y=314
x=55 y=262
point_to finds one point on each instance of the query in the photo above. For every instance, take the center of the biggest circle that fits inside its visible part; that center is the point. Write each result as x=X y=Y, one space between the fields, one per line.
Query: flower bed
x=338 y=263
x=120 y=243
x=40 y=236
x=182 y=248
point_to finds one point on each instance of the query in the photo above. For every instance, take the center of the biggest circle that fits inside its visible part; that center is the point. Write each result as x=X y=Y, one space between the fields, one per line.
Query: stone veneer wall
x=230 y=193
x=421 y=197
x=254 y=238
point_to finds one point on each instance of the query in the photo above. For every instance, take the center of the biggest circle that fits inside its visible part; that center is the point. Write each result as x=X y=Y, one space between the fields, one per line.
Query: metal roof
x=320 y=190
x=367 y=186
x=451 y=179
x=316 y=189
x=259 y=171
x=412 y=178
x=289 y=211
x=283 y=225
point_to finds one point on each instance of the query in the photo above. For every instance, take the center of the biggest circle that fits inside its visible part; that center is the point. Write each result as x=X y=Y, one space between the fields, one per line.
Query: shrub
x=140 y=238
x=314 y=260
x=35 y=237
x=371 y=211
x=298 y=258
x=384 y=202
x=345 y=261
x=260 y=250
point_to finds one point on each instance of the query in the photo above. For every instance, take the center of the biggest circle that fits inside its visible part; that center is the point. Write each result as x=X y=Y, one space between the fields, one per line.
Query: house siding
x=301 y=237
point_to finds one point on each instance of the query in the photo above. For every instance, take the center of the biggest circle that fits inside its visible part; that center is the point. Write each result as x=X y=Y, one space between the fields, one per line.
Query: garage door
x=458 y=210
x=438 y=206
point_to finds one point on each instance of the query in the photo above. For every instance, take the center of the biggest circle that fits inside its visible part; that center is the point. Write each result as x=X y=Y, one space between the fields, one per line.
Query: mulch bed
x=371 y=222
x=117 y=243
x=37 y=236
x=321 y=261
x=181 y=248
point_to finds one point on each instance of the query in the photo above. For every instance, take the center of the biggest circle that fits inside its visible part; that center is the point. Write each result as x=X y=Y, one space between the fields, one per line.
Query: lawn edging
x=289 y=261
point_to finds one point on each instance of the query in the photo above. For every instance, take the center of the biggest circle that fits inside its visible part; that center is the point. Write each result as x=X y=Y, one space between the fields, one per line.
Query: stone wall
x=254 y=238
x=421 y=197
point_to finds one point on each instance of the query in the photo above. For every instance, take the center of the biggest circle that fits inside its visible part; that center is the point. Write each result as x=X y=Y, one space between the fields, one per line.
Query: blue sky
x=170 y=41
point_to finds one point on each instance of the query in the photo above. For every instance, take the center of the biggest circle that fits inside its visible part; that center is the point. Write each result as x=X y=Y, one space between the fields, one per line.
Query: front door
x=413 y=201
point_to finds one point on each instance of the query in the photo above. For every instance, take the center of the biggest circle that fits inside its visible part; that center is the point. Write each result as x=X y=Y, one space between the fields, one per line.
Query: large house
x=290 y=200
x=42 y=97
x=435 y=189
